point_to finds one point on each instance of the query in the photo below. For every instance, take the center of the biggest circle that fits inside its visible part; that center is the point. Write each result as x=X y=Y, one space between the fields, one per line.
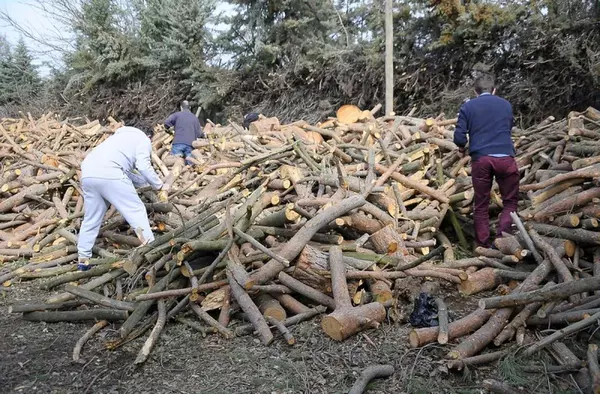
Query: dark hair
x=484 y=84
x=141 y=125
x=251 y=117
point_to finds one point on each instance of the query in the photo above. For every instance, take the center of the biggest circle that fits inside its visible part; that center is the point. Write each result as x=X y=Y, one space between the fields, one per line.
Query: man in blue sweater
x=187 y=129
x=488 y=121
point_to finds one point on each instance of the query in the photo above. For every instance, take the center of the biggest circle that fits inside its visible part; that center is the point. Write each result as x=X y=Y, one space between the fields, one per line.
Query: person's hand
x=461 y=152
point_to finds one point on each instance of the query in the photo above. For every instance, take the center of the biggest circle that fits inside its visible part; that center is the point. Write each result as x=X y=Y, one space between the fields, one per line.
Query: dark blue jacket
x=187 y=127
x=488 y=120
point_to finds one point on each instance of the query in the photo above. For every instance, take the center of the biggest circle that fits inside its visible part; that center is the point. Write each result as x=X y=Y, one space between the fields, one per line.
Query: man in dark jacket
x=488 y=121
x=248 y=119
x=187 y=129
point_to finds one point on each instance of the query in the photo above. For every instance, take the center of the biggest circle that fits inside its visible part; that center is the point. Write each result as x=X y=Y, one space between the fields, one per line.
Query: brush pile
x=279 y=223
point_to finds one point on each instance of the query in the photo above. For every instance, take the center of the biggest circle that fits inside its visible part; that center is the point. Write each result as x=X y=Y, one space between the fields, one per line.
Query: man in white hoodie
x=107 y=178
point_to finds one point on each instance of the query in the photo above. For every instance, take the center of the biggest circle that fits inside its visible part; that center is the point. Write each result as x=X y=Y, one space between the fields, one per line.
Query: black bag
x=425 y=312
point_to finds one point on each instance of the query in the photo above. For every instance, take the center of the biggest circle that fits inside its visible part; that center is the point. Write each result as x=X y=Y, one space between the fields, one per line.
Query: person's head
x=142 y=125
x=484 y=84
x=185 y=105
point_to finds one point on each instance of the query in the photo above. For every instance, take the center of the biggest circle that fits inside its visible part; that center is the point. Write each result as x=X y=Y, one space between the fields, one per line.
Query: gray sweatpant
x=98 y=193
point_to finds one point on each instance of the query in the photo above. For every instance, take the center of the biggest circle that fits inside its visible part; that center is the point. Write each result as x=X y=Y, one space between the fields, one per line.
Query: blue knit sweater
x=488 y=120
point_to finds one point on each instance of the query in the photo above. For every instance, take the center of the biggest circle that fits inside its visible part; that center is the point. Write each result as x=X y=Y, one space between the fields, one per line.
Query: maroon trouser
x=483 y=172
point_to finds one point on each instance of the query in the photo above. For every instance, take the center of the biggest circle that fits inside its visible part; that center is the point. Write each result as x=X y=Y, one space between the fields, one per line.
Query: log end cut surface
x=345 y=322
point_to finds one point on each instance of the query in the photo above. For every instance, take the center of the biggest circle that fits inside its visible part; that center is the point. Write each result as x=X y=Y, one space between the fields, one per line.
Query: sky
x=34 y=20
x=27 y=15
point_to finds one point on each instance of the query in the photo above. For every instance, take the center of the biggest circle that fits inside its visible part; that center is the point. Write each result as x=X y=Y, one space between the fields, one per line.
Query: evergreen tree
x=27 y=79
x=279 y=32
x=6 y=73
x=19 y=78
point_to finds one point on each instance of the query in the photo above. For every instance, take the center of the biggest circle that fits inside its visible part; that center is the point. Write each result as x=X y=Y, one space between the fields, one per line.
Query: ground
x=37 y=358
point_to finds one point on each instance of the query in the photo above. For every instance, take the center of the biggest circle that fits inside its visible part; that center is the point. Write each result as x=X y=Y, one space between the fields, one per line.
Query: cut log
x=381 y=292
x=518 y=321
x=410 y=183
x=75 y=316
x=567 y=205
x=556 y=292
x=442 y=321
x=291 y=304
x=306 y=290
x=562 y=333
x=362 y=223
x=567 y=220
x=153 y=338
x=422 y=336
x=368 y=374
x=388 y=241
x=348 y=114
x=590 y=224
x=251 y=310
x=206 y=318
x=263 y=125
x=282 y=329
x=88 y=334
x=346 y=320
x=577 y=235
x=497 y=387
x=292 y=248
x=508 y=244
x=594 y=367
x=99 y=299
x=562 y=318
x=290 y=321
x=481 y=280
x=481 y=359
x=270 y=307
x=563 y=271
x=587 y=172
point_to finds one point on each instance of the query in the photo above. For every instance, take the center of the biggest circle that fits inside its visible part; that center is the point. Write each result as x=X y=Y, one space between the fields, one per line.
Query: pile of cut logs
x=279 y=223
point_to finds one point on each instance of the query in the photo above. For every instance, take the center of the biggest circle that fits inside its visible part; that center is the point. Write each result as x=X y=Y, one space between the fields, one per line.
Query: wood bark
x=295 y=245
x=346 y=320
x=99 y=299
x=481 y=359
x=442 y=321
x=498 y=387
x=153 y=338
x=75 y=316
x=206 y=318
x=270 y=307
x=370 y=373
x=88 y=334
x=594 y=367
x=251 y=310
x=587 y=172
x=481 y=280
x=563 y=271
x=578 y=200
x=556 y=292
x=562 y=333
x=388 y=241
x=291 y=304
x=422 y=336
x=577 y=235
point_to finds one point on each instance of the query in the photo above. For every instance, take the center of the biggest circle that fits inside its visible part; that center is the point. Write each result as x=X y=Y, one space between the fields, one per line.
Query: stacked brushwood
x=279 y=223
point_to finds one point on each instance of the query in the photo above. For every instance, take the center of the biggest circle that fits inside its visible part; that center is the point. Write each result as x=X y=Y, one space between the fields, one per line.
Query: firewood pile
x=280 y=223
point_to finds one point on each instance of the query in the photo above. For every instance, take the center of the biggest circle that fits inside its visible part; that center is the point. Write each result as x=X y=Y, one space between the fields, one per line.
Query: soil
x=37 y=358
